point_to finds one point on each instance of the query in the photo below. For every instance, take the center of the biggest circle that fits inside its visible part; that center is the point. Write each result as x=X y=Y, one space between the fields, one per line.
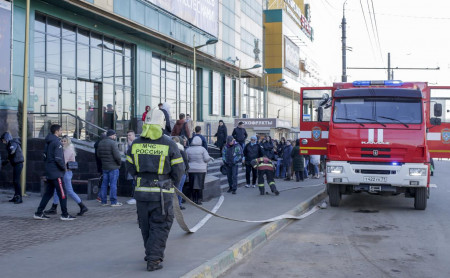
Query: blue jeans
x=232 y=175
x=279 y=161
x=69 y=189
x=285 y=171
x=306 y=174
x=180 y=187
x=316 y=170
x=110 y=178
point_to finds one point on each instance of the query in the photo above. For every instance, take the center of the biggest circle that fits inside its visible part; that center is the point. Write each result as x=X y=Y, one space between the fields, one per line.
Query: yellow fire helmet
x=154 y=124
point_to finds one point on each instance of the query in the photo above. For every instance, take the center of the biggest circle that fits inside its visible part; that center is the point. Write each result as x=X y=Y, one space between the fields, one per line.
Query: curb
x=233 y=255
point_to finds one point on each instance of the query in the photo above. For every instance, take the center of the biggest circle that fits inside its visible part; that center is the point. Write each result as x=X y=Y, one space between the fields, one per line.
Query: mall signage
x=291 y=56
x=203 y=14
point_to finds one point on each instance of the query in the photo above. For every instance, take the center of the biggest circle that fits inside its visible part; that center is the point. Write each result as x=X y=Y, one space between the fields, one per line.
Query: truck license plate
x=375 y=179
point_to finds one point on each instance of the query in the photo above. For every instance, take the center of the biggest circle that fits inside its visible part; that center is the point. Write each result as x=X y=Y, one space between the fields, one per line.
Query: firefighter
x=156 y=162
x=265 y=167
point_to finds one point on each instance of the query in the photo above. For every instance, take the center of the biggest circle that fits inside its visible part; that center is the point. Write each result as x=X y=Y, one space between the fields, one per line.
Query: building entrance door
x=45 y=100
x=88 y=110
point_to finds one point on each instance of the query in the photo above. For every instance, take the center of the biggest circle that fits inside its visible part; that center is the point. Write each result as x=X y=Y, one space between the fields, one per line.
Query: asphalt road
x=367 y=236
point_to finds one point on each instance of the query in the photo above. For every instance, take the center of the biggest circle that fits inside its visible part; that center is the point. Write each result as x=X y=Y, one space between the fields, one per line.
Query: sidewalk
x=106 y=241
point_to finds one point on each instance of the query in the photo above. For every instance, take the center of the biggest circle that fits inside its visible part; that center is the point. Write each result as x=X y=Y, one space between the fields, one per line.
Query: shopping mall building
x=96 y=64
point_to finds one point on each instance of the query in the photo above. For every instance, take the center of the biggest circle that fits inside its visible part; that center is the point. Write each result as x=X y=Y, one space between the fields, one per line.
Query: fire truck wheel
x=420 y=200
x=334 y=194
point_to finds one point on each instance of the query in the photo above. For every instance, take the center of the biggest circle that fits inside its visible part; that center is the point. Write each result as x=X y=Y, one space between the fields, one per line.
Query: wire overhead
x=374 y=30
x=367 y=28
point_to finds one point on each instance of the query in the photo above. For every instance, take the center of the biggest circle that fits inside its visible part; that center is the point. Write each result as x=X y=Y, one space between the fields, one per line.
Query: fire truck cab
x=378 y=136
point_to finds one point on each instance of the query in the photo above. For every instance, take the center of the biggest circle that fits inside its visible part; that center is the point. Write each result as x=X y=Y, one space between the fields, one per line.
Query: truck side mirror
x=435 y=121
x=437 y=109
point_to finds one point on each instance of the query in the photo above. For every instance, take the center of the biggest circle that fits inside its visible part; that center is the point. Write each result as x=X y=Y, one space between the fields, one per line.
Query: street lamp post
x=194 y=89
x=240 y=91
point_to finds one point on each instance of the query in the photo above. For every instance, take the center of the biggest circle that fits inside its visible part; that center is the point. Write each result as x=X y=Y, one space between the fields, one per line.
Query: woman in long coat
x=298 y=162
x=221 y=135
x=198 y=159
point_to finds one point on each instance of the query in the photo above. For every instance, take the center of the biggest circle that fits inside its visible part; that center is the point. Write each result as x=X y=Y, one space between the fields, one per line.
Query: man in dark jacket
x=232 y=156
x=15 y=157
x=198 y=132
x=240 y=134
x=54 y=170
x=251 y=151
x=181 y=128
x=156 y=161
x=98 y=162
x=109 y=154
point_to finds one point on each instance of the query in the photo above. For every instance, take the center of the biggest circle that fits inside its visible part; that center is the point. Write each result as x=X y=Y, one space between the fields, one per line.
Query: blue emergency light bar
x=378 y=83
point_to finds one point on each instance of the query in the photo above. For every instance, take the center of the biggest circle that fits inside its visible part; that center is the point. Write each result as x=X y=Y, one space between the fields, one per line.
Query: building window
x=172 y=83
x=215 y=92
x=253 y=10
x=102 y=66
x=234 y=99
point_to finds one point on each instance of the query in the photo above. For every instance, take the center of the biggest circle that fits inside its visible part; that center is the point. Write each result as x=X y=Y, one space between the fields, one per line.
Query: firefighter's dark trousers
x=155 y=227
x=269 y=175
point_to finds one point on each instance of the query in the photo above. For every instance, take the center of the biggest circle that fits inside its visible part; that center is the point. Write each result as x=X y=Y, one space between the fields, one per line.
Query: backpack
x=183 y=130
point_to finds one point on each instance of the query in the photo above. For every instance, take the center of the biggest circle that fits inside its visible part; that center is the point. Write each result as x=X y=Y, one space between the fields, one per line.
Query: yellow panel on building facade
x=274 y=61
x=273 y=28
x=274 y=39
x=301 y=5
x=273 y=78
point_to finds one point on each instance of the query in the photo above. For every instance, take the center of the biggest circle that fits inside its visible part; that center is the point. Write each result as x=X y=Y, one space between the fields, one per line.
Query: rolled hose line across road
x=180 y=219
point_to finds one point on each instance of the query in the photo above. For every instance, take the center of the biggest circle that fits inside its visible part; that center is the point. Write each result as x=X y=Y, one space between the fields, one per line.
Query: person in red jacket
x=265 y=167
x=147 y=109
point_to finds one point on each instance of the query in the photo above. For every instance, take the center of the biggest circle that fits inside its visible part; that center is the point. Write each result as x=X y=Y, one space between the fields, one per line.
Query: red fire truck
x=378 y=136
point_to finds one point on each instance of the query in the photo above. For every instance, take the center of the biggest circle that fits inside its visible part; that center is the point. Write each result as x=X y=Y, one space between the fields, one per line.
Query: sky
x=415 y=33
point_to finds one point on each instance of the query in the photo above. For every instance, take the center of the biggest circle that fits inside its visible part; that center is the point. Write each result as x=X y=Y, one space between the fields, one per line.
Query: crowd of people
x=155 y=163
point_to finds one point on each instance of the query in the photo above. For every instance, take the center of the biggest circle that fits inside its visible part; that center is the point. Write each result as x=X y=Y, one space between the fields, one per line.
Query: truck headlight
x=335 y=169
x=417 y=171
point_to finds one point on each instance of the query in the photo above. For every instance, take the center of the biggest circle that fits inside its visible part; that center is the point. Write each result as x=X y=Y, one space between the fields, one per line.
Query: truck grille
x=376 y=172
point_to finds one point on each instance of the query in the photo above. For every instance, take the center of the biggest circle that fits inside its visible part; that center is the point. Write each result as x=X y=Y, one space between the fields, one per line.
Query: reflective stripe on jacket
x=153 y=160
x=263 y=163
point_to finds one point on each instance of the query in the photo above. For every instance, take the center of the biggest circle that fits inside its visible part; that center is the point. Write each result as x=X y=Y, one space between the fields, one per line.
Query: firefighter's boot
x=274 y=189
x=261 y=190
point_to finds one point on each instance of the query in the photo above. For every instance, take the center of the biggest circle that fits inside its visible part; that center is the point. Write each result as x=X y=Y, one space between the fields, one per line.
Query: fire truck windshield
x=380 y=110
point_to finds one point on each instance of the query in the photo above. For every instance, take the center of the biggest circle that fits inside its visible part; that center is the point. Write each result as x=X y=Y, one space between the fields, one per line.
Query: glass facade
x=252 y=101
x=228 y=26
x=94 y=72
x=172 y=83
